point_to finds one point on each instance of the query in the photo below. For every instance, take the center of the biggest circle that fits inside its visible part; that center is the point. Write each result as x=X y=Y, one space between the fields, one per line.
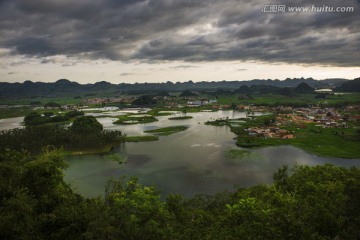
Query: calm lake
x=10 y=123
x=189 y=162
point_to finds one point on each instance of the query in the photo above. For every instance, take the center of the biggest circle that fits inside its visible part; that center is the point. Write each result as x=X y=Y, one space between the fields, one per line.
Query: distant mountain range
x=65 y=87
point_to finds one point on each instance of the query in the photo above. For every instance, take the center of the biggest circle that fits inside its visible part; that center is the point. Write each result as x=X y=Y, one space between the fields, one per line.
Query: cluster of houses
x=269 y=132
x=324 y=117
x=200 y=103
x=286 y=115
x=102 y=101
x=66 y=107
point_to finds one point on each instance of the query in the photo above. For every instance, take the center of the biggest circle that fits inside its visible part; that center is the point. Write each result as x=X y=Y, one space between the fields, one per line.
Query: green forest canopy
x=86 y=133
x=320 y=202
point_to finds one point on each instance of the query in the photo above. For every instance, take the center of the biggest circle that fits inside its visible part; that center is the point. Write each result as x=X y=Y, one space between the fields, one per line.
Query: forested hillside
x=65 y=87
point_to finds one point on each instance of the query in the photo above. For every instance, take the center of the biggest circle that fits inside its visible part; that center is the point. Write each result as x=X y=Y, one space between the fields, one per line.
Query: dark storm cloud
x=188 y=30
x=34 y=46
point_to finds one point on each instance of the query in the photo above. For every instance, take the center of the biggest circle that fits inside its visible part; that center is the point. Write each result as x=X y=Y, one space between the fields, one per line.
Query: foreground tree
x=35 y=201
x=132 y=211
x=320 y=202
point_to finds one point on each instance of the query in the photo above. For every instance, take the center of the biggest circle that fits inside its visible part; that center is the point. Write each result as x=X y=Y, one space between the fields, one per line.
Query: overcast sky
x=176 y=40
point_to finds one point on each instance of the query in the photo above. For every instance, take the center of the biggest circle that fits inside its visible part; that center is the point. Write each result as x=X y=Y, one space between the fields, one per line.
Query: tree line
x=85 y=133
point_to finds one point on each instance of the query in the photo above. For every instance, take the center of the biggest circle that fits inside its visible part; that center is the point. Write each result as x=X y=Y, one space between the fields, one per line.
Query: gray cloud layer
x=189 y=30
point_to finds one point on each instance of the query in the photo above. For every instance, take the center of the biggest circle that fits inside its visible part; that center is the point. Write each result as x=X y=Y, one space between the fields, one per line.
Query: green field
x=277 y=99
x=40 y=101
x=232 y=100
x=160 y=110
x=14 y=112
x=327 y=142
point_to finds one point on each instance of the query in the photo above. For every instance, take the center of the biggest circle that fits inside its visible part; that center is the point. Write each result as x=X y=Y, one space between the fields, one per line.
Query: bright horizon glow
x=91 y=71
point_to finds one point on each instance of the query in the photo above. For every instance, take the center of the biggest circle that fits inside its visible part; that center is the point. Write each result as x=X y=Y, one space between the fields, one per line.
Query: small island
x=167 y=130
x=85 y=136
x=141 y=138
x=135 y=119
x=181 y=118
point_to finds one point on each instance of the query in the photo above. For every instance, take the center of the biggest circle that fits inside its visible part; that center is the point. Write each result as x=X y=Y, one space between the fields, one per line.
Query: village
x=284 y=116
x=321 y=117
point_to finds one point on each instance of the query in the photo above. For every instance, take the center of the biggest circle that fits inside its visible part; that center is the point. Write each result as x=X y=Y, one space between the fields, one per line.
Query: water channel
x=189 y=162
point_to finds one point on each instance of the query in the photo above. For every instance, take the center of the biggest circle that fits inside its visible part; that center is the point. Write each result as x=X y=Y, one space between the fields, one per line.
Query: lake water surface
x=189 y=162
x=10 y=123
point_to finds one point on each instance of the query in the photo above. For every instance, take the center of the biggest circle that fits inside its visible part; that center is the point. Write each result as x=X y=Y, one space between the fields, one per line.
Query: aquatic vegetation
x=141 y=138
x=167 y=130
x=240 y=156
x=135 y=119
x=181 y=118
x=117 y=158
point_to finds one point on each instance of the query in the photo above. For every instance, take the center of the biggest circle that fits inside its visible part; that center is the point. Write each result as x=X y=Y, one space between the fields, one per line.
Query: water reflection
x=137 y=160
x=189 y=162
